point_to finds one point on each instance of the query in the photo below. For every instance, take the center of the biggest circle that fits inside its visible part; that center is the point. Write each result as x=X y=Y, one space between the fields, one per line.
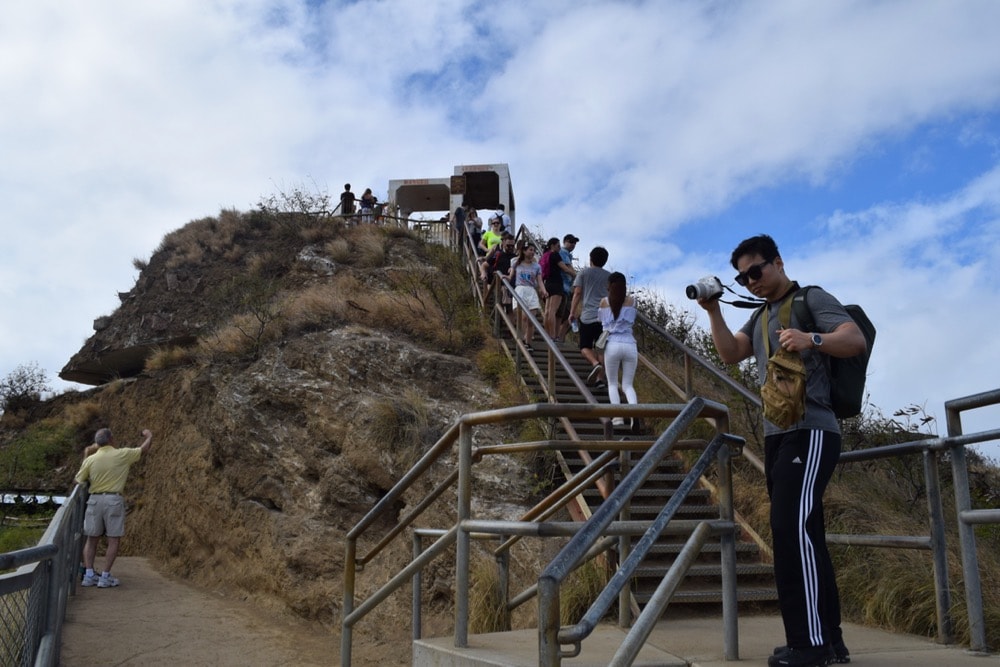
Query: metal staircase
x=702 y=585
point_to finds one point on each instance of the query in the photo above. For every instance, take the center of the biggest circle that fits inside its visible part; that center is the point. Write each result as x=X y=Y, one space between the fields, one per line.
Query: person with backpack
x=801 y=439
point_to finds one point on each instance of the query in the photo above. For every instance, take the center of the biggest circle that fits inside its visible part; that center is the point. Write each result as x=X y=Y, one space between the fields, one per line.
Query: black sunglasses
x=754 y=272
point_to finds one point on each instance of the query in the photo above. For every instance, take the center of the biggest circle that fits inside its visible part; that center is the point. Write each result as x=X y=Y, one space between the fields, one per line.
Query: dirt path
x=155 y=619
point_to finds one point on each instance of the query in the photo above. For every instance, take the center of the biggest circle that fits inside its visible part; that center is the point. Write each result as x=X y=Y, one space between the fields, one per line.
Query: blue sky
x=864 y=135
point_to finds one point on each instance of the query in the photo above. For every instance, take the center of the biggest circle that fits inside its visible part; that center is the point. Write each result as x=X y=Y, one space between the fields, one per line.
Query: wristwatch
x=817 y=340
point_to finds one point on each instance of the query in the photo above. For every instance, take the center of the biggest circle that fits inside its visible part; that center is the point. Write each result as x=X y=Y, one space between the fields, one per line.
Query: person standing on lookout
x=106 y=471
x=800 y=450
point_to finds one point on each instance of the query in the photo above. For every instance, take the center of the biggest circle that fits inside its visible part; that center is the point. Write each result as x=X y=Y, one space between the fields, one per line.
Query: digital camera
x=708 y=287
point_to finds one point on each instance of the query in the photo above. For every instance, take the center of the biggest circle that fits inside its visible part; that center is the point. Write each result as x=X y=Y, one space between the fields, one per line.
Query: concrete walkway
x=153 y=619
x=698 y=643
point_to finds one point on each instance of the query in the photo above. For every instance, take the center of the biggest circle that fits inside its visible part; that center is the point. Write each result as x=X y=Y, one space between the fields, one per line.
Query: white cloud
x=627 y=123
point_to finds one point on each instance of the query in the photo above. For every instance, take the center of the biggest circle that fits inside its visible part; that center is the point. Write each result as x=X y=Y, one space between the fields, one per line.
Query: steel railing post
x=730 y=614
x=462 y=544
x=417 y=629
x=347 y=606
x=935 y=512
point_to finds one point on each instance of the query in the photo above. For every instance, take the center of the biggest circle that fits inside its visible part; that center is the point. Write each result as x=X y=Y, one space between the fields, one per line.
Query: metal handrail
x=352 y=613
x=550 y=634
x=46 y=574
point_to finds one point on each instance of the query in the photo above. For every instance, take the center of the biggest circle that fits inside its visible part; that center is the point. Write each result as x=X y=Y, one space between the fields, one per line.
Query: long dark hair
x=616 y=292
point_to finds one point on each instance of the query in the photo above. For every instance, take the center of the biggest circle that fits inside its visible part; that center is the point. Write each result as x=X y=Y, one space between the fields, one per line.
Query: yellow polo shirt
x=107 y=469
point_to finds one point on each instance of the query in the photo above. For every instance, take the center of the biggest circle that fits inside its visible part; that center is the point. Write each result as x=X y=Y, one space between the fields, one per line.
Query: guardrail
x=467 y=527
x=33 y=597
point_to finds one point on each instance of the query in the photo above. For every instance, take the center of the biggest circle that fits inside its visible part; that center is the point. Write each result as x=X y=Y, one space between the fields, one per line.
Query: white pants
x=625 y=355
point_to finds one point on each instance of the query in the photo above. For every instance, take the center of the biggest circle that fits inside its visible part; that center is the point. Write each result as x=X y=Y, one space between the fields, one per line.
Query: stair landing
x=696 y=641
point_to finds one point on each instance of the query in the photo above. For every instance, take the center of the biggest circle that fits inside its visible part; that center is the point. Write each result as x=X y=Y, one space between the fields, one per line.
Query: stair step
x=707 y=570
x=666 y=549
x=713 y=595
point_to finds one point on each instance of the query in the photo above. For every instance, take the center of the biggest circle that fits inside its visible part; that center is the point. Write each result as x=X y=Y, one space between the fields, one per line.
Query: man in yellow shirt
x=106 y=471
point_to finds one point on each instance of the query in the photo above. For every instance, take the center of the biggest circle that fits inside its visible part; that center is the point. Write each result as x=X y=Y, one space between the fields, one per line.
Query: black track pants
x=799 y=465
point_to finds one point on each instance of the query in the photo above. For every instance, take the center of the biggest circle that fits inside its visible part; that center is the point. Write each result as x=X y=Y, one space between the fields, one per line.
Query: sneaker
x=107 y=581
x=601 y=384
x=595 y=373
x=618 y=422
x=841 y=655
x=90 y=579
x=814 y=656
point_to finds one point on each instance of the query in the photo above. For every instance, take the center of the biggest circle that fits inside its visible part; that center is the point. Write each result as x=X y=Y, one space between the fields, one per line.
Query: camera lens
x=692 y=291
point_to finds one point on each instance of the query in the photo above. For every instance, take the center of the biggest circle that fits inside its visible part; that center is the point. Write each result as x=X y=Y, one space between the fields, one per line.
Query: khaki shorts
x=105 y=515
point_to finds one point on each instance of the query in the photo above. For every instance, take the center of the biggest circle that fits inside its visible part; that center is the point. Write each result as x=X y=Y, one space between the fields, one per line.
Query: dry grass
x=498 y=369
x=580 y=590
x=81 y=415
x=191 y=243
x=319 y=304
x=488 y=610
x=392 y=434
x=172 y=356
x=339 y=250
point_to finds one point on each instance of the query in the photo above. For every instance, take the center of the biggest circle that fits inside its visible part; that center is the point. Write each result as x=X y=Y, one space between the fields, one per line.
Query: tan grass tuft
x=488 y=611
x=580 y=590
x=339 y=250
x=169 y=357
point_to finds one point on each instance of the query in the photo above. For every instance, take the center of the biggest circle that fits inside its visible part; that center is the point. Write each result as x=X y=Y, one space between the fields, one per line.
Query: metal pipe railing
x=549 y=634
x=46 y=575
x=352 y=613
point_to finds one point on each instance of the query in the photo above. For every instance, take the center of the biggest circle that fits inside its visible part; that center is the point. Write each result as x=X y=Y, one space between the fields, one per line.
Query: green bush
x=34 y=453
x=13 y=538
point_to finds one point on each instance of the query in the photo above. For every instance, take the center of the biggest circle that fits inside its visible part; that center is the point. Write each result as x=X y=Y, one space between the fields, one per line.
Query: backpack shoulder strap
x=800 y=307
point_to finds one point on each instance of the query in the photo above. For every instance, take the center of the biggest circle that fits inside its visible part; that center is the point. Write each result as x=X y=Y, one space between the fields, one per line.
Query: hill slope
x=294 y=370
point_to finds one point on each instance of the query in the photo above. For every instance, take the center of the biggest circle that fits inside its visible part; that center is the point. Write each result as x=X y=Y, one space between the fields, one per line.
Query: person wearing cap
x=106 y=472
x=568 y=274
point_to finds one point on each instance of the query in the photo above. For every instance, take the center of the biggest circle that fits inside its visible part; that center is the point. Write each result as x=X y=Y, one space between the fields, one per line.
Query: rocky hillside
x=291 y=370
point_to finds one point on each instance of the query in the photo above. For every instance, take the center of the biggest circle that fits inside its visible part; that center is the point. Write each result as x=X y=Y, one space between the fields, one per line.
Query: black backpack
x=847 y=374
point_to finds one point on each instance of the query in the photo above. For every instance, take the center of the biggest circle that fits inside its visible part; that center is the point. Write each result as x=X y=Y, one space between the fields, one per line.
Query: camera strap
x=744 y=301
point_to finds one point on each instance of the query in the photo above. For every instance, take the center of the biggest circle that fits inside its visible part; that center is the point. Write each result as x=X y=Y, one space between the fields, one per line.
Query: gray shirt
x=828 y=314
x=593 y=284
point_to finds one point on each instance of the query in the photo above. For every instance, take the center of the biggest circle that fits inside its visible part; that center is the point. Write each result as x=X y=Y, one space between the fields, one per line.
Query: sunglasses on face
x=753 y=272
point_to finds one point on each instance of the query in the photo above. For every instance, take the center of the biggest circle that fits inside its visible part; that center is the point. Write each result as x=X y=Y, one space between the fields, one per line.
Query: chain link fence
x=35 y=586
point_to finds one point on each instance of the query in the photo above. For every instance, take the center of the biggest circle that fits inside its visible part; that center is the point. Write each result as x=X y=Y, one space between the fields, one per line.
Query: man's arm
x=844 y=341
x=576 y=300
x=732 y=348
x=148 y=435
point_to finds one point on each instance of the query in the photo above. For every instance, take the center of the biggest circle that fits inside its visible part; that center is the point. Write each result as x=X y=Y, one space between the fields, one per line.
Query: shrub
x=35 y=452
x=23 y=387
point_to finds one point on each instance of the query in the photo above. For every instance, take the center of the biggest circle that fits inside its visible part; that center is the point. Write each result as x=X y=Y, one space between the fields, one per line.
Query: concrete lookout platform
x=698 y=643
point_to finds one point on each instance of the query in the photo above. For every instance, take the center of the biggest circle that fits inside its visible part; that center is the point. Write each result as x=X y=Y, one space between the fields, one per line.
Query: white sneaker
x=107 y=581
x=618 y=421
x=90 y=579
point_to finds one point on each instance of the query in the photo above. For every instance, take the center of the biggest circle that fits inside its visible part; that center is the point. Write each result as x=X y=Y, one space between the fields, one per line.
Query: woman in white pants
x=617 y=314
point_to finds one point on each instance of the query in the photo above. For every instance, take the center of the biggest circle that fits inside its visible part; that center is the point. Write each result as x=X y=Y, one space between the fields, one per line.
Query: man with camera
x=800 y=452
